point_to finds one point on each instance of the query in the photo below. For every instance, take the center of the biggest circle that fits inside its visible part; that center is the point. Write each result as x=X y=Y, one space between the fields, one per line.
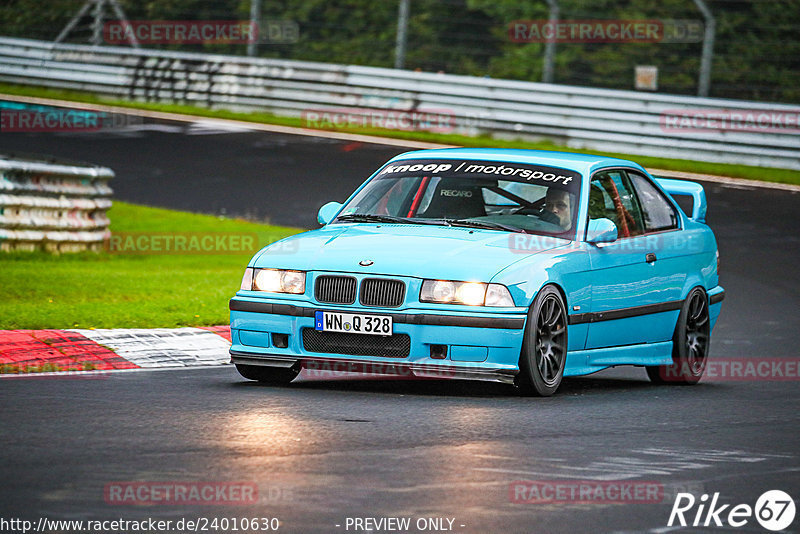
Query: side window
x=612 y=196
x=657 y=212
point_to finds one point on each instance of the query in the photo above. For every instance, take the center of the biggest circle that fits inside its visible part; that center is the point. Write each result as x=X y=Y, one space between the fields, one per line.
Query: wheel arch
x=691 y=282
x=558 y=288
x=560 y=291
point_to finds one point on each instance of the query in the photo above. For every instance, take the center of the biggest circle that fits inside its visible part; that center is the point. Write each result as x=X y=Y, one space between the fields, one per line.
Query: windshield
x=482 y=194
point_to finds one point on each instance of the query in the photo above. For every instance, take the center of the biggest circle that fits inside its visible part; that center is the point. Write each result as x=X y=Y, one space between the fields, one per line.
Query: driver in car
x=558 y=208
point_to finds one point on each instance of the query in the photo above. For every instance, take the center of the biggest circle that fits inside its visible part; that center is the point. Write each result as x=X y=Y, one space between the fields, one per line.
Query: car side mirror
x=327 y=212
x=601 y=231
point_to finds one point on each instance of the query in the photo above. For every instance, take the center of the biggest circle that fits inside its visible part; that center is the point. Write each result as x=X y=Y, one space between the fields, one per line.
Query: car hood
x=441 y=252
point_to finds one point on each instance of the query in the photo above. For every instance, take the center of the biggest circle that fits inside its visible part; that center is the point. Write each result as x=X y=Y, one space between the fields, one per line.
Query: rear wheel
x=267 y=375
x=544 y=349
x=690 y=343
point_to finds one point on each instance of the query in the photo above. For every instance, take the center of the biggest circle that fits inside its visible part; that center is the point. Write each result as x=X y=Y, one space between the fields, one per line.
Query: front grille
x=394 y=346
x=335 y=289
x=382 y=292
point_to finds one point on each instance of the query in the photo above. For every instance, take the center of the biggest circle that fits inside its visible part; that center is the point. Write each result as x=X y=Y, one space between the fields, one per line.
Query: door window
x=612 y=196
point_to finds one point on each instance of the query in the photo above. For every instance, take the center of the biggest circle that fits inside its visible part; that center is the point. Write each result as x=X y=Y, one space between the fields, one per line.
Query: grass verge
x=124 y=290
x=721 y=169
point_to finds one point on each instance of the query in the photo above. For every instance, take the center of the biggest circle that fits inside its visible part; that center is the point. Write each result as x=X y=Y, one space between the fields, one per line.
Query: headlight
x=498 y=295
x=469 y=293
x=275 y=281
x=247 y=279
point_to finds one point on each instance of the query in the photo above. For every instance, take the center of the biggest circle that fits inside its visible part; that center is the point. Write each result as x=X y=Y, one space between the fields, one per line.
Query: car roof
x=584 y=163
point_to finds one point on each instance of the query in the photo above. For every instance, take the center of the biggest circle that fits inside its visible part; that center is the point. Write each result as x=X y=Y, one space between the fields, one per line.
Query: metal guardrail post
x=402 y=34
x=704 y=84
x=255 y=17
x=550 y=46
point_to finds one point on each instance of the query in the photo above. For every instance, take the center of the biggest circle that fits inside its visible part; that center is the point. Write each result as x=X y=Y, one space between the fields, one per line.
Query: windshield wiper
x=484 y=224
x=369 y=217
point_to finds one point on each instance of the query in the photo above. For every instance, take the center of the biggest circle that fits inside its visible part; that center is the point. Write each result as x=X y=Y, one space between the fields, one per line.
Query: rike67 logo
x=774 y=510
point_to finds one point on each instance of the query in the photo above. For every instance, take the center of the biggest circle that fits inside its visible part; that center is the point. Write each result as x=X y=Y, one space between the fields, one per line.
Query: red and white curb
x=29 y=352
x=163 y=347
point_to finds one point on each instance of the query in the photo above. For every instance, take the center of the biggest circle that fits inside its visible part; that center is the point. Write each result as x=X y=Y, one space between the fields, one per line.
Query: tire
x=690 y=344
x=544 y=348
x=276 y=376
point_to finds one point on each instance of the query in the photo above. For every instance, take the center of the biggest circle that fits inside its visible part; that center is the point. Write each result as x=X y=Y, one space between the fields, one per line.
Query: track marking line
x=89 y=375
x=228 y=125
x=225 y=123
x=733 y=182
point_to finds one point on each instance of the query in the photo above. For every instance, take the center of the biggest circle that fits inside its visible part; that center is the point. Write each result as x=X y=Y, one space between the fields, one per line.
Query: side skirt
x=584 y=362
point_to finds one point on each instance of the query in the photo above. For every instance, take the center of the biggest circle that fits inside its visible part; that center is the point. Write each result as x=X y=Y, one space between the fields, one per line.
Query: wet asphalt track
x=321 y=452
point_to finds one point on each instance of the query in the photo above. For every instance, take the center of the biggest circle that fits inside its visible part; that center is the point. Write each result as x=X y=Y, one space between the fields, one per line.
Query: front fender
x=567 y=267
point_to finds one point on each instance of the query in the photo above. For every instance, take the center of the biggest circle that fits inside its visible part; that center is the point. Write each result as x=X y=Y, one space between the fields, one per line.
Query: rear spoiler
x=693 y=189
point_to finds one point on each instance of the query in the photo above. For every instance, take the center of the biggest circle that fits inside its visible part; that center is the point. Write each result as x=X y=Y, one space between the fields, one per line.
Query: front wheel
x=690 y=343
x=275 y=376
x=544 y=349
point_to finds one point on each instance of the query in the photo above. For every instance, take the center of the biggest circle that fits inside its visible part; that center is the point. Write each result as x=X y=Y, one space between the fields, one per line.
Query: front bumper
x=480 y=345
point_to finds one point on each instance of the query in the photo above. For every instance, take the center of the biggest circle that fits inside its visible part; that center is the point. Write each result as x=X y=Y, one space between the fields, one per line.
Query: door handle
x=650 y=258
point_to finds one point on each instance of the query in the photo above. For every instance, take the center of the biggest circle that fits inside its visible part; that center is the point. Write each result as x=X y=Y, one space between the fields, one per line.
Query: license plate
x=353 y=323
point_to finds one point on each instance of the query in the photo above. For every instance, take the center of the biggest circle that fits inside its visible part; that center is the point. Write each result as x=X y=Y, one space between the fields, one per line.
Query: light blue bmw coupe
x=514 y=266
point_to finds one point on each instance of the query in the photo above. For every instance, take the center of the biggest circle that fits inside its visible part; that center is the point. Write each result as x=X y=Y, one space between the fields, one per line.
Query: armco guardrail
x=52 y=206
x=596 y=119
